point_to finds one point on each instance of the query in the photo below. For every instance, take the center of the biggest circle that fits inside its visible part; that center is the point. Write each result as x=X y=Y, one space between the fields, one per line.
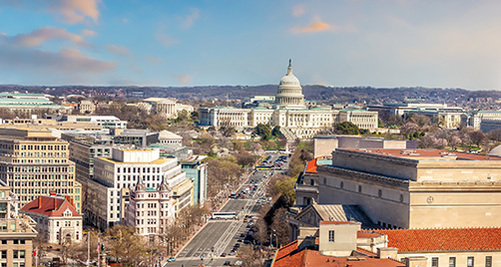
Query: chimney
x=39 y=202
x=55 y=203
x=385 y=252
x=417 y=261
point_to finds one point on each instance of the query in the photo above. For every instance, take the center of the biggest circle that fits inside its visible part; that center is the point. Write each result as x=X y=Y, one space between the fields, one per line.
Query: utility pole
x=88 y=249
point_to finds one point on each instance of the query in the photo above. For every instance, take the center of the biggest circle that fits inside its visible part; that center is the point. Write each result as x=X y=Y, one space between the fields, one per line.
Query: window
x=452 y=261
x=4 y=254
x=488 y=261
x=469 y=262
x=434 y=262
x=360 y=189
x=331 y=235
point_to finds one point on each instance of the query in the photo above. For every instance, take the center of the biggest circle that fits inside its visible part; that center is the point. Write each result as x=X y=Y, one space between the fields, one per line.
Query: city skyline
x=342 y=43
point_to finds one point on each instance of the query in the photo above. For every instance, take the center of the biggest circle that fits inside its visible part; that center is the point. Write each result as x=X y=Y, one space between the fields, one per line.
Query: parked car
x=171 y=259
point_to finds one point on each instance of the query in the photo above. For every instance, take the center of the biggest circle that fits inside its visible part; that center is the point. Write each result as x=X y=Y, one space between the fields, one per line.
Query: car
x=223 y=255
x=227 y=263
x=239 y=240
x=237 y=244
x=238 y=263
x=242 y=235
x=171 y=259
x=243 y=197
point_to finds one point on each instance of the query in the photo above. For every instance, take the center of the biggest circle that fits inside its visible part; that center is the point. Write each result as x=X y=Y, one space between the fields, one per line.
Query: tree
x=264 y=131
x=409 y=128
x=346 y=127
x=123 y=243
x=477 y=137
x=276 y=131
x=280 y=227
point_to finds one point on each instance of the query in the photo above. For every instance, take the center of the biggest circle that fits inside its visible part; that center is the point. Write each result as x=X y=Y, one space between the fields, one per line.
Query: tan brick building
x=33 y=163
x=415 y=188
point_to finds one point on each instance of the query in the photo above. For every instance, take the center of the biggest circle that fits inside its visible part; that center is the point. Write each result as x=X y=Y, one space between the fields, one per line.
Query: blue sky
x=380 y=43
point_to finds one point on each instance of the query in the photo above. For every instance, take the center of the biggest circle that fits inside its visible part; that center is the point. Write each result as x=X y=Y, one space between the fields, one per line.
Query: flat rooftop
x=423 y=154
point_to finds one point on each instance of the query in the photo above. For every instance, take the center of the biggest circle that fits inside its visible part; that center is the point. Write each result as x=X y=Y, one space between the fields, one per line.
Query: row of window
x=16 y=254
x=134 y=170
x=43 y=169
x=470 y=262
x=14 y=241
x=41 y=147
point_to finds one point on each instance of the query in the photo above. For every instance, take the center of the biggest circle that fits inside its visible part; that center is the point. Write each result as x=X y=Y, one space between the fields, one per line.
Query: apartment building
x=33 y=163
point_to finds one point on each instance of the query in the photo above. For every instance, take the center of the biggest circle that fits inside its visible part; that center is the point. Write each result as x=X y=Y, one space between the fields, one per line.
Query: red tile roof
x=460 y=239
x=313 y=258
x=367 y=252
x=51 y=206
x=367 y=234
x=425 y=153
x=311 y=167
x=289 y=256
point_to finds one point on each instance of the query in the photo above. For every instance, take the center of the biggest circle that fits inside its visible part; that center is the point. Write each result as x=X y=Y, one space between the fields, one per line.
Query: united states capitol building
x=290 y=112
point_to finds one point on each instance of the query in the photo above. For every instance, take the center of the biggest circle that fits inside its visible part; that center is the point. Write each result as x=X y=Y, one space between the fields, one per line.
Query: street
x=220 y=236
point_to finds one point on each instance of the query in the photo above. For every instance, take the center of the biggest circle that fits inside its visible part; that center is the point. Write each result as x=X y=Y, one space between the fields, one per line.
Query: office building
x=33 y=163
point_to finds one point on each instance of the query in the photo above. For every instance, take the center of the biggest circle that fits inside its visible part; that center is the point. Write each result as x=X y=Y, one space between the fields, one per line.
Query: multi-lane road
x=220 y=236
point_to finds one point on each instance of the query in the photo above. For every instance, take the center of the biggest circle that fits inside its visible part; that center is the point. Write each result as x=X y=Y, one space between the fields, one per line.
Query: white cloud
x=190 y=19
x=118 y=49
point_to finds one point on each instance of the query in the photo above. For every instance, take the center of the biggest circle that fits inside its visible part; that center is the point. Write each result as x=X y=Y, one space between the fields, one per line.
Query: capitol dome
x=290 y=92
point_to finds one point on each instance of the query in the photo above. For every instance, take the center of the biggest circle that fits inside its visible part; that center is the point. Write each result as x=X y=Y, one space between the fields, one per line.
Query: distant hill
x=319 y=93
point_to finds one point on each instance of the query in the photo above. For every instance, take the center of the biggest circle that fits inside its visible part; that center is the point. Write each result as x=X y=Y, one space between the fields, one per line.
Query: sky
x=380 y=43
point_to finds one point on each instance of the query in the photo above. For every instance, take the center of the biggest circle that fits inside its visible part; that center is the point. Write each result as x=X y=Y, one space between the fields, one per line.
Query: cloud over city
x=117 y=49
x=46 y=34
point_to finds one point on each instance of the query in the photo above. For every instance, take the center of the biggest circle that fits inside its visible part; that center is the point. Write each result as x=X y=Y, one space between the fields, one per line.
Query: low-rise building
x=57 y=218
x=346 y=244
x=86 y=107
x=31 y=103
x=107 y=122
x=167 y=138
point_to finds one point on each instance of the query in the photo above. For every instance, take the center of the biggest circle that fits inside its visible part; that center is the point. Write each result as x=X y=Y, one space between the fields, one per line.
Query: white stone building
x=150 y=210
x=115 y=176
x=289 y=112
x=169 y=138
x=57 y=219
x=167 y=106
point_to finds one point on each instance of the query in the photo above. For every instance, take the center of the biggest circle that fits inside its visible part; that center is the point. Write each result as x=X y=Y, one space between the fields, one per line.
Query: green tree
x=264 y=131
x=346 y=127
x=276 y=131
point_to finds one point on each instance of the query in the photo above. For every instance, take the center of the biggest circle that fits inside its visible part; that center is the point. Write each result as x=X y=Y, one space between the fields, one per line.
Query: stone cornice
x=364 y=155
x=362 y=176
